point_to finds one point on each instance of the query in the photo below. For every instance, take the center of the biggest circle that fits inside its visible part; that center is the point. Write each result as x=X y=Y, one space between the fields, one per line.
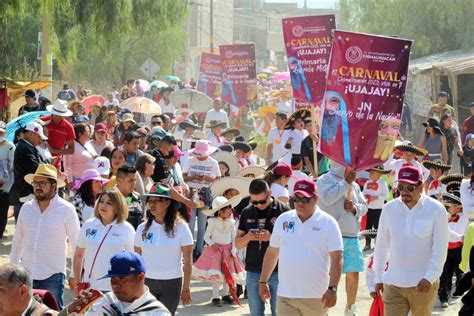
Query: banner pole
x=315 y=152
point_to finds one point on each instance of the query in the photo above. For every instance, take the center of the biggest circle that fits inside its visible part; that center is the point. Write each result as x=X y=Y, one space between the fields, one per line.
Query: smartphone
x=254 y=231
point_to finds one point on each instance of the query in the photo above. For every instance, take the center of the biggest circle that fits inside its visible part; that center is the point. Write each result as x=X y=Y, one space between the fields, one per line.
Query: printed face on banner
x=308 y=45
x=239 y=83
x=364 y=98
x=210 y=75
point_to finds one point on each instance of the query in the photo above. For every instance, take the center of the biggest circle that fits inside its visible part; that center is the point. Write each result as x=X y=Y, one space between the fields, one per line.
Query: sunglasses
x=301 y=199
x=260 y=202
x=409 y=188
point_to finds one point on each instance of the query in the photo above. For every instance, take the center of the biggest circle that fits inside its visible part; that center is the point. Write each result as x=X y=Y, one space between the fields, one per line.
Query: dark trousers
x=4 y=205
x=54 y=284
x=451 y=266
x=167 y=292
x=373 y=217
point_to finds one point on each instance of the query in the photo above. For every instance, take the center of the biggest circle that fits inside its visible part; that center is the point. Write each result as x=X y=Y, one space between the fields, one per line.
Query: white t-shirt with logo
x=208 y=167
x=275 y=138
x=161 y=252
x=304 y=261
x=279 y=191
x=120 y=238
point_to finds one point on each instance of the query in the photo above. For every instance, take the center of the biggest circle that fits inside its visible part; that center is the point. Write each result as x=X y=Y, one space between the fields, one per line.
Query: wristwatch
x=332 y=288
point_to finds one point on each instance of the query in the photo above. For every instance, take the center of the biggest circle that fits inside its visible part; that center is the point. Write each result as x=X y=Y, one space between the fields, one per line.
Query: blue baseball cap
x=470 y=136
x=125 y=263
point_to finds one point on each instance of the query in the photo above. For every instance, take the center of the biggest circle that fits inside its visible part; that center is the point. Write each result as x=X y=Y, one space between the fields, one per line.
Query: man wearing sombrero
x=44 y=225
x=216 y=114
x=189 y=127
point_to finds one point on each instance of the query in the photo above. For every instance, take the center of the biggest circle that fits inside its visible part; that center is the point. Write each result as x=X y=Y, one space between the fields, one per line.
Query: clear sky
x=311 y=3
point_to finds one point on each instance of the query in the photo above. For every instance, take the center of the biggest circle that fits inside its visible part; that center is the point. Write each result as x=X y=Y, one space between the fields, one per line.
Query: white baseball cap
x=36 y=128
x=3 y=126
x=102 y=165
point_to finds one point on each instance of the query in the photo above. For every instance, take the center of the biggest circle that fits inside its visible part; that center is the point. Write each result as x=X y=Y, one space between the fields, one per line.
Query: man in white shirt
x=111 y=103
x=44 y=225
x=275 y=146
x=413 y=230
x=15 y=293
x=130 y=295
x=307 y=245
x=216 y=114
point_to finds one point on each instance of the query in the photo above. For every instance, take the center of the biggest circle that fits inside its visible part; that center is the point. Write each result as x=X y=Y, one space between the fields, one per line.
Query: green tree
x=435 y=25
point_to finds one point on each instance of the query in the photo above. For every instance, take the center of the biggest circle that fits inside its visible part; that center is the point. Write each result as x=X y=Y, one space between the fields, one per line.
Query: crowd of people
x=232 y=197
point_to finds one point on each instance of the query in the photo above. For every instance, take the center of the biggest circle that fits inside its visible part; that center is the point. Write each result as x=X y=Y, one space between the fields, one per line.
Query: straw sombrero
x=300 y=114
x=229 y=160
x=221 y=185
x=428 y=164
x=220 y=202
x=264 y=110
x=452 y=177
x=380 y=169
x=407 y=146
x=213 y=124
x=47 y=171
x=256 y=171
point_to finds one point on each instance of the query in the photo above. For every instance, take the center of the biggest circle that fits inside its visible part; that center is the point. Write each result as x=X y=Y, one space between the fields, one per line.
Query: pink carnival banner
x=362 y=108
x=308 y=46
x=210 y=75
x=239 y=83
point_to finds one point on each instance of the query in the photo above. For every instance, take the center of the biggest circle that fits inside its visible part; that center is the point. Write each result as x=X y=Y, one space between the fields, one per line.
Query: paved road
x=201 y=294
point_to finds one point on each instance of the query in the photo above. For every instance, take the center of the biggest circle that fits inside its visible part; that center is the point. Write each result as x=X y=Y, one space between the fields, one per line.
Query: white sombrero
x=220 y=202
x=229 y=160
x=238 y=183
x=251 y=170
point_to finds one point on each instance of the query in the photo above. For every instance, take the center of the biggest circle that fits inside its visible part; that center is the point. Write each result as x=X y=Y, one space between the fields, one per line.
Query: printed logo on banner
x=229 y=54
x=297 y=30
x=354 y=54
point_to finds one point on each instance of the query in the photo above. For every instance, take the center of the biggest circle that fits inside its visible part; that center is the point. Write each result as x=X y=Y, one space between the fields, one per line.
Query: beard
x=40 y=195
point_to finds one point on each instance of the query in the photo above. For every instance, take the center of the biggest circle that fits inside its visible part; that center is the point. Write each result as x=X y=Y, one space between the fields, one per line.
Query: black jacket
x=27 y=159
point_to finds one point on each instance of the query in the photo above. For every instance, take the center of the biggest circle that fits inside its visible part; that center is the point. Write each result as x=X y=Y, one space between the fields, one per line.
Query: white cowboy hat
x=220 y=202
x=229 y=160
x=221 y=185
x=59 y=107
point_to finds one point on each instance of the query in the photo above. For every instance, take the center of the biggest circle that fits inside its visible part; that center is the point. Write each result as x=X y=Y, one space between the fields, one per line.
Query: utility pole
x=211 y=27
x=46 y=56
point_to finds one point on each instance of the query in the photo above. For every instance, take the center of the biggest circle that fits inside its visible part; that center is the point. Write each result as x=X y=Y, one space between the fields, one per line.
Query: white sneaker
x=352 y=311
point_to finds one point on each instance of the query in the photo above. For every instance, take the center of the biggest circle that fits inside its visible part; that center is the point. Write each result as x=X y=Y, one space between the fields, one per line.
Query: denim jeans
x=257 y=307
x=202 y=220
x=54 y=284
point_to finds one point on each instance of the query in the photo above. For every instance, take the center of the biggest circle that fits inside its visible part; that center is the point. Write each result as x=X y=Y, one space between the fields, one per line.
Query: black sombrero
x=451 y=198
x=453 y=186
x=232 y=130
x=226 y=147
x=371 y=233
x=452 y=177
x=300 y=114
x=188 y=123
x=380 y=169
x=428 y=164
x=411 y=148
x=242 y=146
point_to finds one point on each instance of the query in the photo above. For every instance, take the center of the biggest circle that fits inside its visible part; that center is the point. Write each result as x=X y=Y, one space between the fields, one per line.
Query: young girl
x=219 y=236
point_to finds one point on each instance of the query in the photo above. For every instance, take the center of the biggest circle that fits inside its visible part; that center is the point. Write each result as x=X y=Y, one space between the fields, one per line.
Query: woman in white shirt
x=277 y=179
x=101 y=237
x=145 y=166
x=99 y=140
x=297 y=133
x=163 y=241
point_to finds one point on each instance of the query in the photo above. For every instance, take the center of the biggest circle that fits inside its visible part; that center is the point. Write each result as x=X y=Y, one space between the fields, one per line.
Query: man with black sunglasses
x=255 y=228
x=413 y=229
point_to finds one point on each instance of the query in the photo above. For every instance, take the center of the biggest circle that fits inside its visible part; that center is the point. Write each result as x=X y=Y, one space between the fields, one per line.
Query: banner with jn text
x=362 y=108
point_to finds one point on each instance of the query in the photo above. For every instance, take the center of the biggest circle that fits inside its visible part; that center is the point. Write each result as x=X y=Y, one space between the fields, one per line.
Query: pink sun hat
x=177 y=152
x=202 y=149
x=89 y=174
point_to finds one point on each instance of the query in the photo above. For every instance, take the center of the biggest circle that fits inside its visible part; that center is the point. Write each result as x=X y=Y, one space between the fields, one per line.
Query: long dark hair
x=86 y=193
x=171 y=217
x=79 y=129
x=271 y=177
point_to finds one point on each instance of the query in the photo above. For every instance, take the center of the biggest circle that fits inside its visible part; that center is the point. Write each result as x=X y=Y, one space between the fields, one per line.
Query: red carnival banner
x=210 y=75
x=308 y=46
x=239 y=83
x=366 y=83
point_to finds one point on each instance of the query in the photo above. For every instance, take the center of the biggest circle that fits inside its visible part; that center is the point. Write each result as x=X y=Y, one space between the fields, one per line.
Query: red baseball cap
x=100 y=127
x=283 y=169
x=410 y=174
x=306 y=188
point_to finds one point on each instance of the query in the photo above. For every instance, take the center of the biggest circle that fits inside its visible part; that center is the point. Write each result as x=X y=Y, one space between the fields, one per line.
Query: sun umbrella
x=21 y=122
x=141 y=105
x=281 y=76
x=195 y=100
x=159 y=84
x=265 y=71
x=172 y=78
x=144 y=84
x=90 y=100
x=228 y=277
x=272 y=68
